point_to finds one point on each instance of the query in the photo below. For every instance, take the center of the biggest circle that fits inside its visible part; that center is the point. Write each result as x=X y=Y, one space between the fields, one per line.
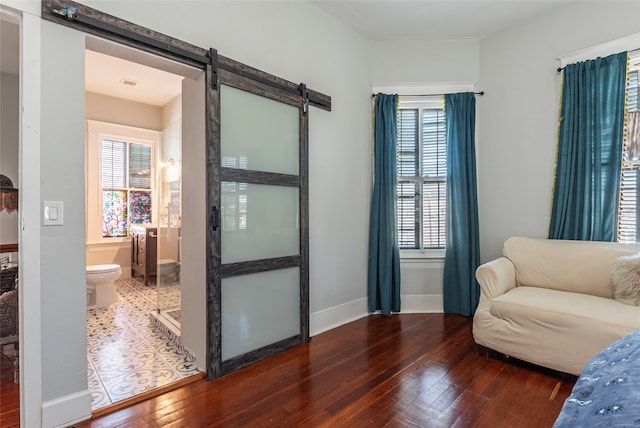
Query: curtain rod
x=428 y=95
x=631 y=53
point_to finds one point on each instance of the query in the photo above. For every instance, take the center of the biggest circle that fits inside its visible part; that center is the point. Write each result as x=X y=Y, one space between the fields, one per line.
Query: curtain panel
x=462 y=253
x=589 y=158
x=384 y=252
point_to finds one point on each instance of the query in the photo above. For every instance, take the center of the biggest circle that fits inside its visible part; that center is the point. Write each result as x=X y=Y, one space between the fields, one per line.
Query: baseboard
x=421 y=303
x=66 y=410
x=335 y=316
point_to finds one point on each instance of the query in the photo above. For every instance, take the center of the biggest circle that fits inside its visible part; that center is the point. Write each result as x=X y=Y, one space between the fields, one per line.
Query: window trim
x=406 y=92
x=421 y=103
x=96 y=131
x=427 y=253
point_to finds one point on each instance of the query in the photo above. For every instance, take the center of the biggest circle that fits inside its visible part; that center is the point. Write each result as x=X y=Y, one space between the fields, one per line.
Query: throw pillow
x=625 y=279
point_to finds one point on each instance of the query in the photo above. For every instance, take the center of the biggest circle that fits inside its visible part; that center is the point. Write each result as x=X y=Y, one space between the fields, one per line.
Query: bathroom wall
x=123 y=112
x=170 y=171
x=194 y=221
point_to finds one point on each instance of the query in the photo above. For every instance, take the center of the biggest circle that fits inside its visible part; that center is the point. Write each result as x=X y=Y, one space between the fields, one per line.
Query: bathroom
x=134 y=215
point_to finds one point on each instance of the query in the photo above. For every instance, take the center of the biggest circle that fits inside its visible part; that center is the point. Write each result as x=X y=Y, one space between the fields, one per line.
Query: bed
x=607 y=393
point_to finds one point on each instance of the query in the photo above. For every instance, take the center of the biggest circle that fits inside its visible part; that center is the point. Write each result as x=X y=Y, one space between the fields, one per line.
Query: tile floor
x=127 y=355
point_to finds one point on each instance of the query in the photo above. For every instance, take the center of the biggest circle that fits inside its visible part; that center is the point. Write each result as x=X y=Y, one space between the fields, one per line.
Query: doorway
x=134 y=216
x=206 y=152
x=9 y=230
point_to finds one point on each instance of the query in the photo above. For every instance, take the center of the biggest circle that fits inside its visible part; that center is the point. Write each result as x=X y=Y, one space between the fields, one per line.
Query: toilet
x=101 y=280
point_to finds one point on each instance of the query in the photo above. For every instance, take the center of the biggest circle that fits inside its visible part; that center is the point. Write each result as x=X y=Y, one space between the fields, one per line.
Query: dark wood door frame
x=218 y=69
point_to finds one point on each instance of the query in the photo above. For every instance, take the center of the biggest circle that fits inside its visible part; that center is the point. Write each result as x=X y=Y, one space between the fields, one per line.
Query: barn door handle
x=215 y=218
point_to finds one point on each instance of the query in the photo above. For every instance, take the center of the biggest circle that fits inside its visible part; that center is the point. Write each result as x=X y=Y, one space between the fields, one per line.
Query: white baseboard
x=66 y=410
x=335 y=316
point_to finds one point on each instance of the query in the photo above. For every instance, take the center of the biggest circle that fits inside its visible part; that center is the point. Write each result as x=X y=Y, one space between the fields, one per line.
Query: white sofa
x=550 y=302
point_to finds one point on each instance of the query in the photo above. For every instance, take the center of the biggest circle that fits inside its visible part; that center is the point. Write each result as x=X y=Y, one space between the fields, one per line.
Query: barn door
x=260 y=216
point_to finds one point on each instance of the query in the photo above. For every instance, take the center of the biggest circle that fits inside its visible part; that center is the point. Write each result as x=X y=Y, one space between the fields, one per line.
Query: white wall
x=518 y=117
x=9 y=144
x=65 y=396
x=426 y=61
x=172 y=111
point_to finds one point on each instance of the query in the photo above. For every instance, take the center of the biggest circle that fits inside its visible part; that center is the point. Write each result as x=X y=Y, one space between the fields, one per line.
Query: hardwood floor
x=9 y=394
x=411 y=370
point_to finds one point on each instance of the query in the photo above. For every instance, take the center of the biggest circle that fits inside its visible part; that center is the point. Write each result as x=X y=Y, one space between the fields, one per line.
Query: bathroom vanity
x=144 y=250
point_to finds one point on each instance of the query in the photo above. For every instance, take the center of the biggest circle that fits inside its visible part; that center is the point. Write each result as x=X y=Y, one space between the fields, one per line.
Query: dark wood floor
x=9 y=395
x=413 y=370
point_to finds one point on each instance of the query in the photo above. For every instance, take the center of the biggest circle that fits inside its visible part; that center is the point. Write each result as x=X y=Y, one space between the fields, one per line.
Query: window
x=120 y=180
x=126 y=186
x=629 y=209
x=421 y=170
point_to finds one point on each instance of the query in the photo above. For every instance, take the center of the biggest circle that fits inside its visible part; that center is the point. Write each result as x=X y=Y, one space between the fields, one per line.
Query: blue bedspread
x=607 y=394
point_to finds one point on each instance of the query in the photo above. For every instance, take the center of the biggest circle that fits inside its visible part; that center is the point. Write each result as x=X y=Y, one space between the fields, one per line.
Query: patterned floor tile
x=99 y=397
x=130 y=384
x=126 y=355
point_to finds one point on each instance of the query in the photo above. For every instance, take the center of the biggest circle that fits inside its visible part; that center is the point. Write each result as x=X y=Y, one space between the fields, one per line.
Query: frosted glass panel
x=258 y=133
x=259 y=222
x=259 y=309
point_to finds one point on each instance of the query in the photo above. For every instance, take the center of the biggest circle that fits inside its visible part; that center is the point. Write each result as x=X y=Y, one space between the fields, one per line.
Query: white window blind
x=629 y=211
x=139 y=166
x=114 y=164
x=421 y=169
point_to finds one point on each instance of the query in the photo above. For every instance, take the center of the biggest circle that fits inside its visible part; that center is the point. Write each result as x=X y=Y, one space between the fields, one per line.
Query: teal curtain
x=587 y=184
x=384 y=253
x=462 y=253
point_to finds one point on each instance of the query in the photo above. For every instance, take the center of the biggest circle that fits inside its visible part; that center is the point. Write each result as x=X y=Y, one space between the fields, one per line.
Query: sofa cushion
x=564 y=310
x=556 y=329
x=577 y=266
x=625 y=279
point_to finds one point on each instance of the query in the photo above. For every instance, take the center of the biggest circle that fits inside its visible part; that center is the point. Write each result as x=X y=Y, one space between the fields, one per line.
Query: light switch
x=52 y=213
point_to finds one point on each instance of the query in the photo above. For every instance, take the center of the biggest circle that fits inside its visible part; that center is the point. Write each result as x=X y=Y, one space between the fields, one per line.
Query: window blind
x=633 y=92
x=629 y=211
x=421 y=169
x=434 y=171
x=434 y=155
x=139 y=166
x=407 y=143
x=114 y=164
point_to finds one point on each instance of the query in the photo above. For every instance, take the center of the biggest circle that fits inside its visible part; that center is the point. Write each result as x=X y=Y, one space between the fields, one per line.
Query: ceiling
x=380 y=20
x=400 y=20
x=105 y=74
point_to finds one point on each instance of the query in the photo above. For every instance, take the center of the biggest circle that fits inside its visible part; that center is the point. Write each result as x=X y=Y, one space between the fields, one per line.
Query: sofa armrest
x=496 y=277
